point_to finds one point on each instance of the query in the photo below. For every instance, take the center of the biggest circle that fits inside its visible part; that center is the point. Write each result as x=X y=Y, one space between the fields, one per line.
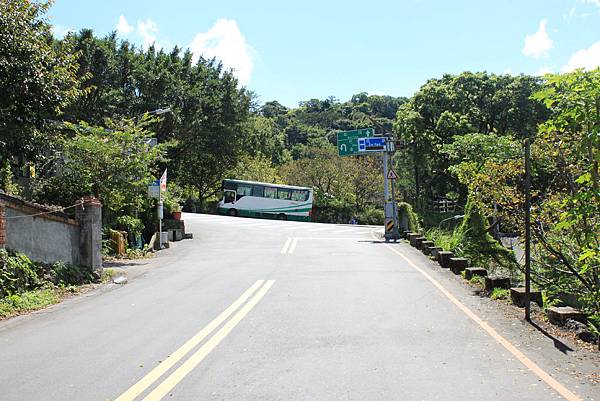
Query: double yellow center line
x=256 y=292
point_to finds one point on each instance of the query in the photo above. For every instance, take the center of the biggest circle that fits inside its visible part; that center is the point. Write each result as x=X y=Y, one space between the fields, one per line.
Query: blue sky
x=297 y=50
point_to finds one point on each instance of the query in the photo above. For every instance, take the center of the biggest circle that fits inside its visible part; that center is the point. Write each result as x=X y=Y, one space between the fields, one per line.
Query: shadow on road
x=559 y=345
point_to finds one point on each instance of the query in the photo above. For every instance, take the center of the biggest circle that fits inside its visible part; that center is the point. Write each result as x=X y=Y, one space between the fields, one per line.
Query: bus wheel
x=281 y=216
x=232 y=212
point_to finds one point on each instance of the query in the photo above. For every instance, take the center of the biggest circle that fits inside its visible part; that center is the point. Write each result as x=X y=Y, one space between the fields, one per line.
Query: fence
x=442 y=205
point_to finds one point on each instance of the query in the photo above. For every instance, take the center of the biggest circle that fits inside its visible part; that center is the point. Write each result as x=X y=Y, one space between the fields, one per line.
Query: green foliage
x=500 y=294
x=447 y=240
x=130 y=224
x=37 y=78
x=17 y=273
x=6 y=179
x=567 y=209
x=257 y=168
x=113 y=163
x=28 y=301
x=63 y=274
x=408 y=216
x=371 y=216
x=344 y=187
x=454 y=106
x=479 y=280
x=476 y=242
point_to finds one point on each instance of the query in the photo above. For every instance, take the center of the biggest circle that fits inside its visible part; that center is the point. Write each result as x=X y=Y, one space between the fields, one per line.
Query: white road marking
x=293 y=246
x=286 y=246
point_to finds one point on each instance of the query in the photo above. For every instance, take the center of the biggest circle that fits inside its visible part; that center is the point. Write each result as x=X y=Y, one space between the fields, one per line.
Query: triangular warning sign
x=392 y=175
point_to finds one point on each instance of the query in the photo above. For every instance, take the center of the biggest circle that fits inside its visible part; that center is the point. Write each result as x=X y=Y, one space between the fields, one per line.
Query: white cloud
x=60 y=31
x=596 y=2
x=148 y=30
x=225 y=42
x=538 y=44
x=123 y=27
x=585 y=58
x=543 y=71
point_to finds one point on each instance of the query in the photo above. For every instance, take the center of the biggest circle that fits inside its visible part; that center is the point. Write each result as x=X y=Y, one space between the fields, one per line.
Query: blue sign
x=154 y=189
x=373 y=144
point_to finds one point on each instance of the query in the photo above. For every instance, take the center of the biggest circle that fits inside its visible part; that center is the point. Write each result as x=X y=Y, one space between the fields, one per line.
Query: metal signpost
x=390 y=205
x=363 y=141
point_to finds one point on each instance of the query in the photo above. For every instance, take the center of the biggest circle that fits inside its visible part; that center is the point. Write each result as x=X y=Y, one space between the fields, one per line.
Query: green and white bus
x=270 y=201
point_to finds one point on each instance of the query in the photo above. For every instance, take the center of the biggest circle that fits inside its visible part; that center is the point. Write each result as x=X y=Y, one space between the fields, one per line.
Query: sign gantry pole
x=362 y=142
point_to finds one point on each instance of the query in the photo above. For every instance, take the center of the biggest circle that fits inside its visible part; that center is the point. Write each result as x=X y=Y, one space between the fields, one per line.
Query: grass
x=477 y=280
x=108 y=274
x=500 y=294
x=29 y=301
x=447 y=240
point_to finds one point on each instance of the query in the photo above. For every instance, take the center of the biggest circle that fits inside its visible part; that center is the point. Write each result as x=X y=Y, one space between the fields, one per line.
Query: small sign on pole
x=154 y=189
x=392 y=175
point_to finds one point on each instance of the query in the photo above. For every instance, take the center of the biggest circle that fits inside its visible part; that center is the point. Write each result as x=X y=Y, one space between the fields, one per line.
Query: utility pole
x=527 y=231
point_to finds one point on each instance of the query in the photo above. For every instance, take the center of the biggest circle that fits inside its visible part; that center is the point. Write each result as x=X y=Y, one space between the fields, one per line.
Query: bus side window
x=299 y=195
x=270 y=192
x=284 y=194
x=243 y=190
x=258 y=190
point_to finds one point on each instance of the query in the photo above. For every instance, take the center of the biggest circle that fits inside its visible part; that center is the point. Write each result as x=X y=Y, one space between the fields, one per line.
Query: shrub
x=17 y=273
x=500 y=293
x=28 y=301
x=407 y=217
x=371 y=217
x=477 y=243
x=65 y=274
x=447 y=240
x=130 y=224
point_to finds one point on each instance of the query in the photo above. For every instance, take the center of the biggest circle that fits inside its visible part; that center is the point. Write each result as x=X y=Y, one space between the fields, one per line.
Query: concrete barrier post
x=90 y=243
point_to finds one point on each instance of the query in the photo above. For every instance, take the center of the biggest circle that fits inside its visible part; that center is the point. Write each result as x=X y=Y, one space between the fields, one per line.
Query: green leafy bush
x=28 y=301
x=407 y=217
x=130 y=224
x=17 y=273
x=447 y=240
x=64 y=274
x=371 y=217
x=500 y=293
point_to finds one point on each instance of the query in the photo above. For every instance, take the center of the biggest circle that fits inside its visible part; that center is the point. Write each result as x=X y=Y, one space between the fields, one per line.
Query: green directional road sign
x=347 y=141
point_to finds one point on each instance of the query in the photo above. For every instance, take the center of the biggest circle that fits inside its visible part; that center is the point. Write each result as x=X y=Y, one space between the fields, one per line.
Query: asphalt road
x=276 y=310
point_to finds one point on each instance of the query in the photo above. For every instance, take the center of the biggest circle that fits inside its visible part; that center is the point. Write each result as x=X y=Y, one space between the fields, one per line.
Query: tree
x=37 y=78
x=210 y=132
x=258 y=168
x=113 y=163
x=567 y=212
x=457 y=105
